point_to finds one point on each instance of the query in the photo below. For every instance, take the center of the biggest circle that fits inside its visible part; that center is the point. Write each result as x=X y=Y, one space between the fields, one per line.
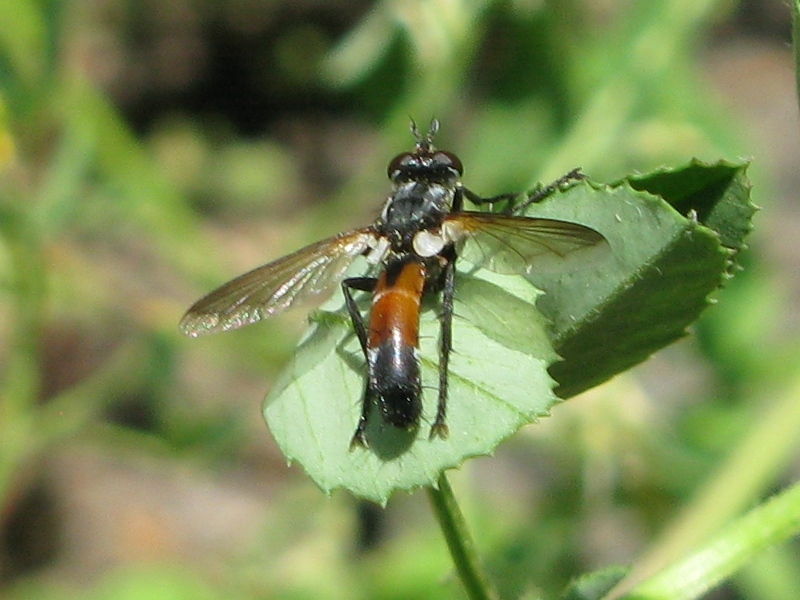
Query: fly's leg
x=541 y=194
x=363 y=284
x=537 y=196
x=480 y=201
x=439 y=427
x=359 y=439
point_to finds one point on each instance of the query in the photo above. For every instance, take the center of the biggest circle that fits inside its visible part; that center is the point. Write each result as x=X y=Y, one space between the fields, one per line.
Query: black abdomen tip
x=401 y=407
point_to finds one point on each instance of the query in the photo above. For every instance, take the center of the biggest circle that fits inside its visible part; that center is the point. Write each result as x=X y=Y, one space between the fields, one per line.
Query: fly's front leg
x=439 y=427
x=363 y=284
x=541 y=194
x=480 y=201
x=537 y=196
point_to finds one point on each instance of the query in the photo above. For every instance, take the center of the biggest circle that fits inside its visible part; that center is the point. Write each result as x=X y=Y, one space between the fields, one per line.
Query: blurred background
x=150 y=151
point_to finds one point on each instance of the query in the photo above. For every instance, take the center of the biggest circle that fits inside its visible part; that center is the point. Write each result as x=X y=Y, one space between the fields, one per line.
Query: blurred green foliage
x=112 y=220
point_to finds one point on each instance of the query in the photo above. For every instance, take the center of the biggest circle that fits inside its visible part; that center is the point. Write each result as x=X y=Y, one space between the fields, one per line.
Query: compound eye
x=399 y=163
x=450 y=160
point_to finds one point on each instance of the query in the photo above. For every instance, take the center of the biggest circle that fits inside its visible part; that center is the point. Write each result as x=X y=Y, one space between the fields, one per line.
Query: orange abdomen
x=393 y=342
x=395 y=307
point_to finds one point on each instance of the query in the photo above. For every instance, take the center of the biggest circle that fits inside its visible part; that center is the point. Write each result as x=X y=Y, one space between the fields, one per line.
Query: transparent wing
x=512 y=244
x=274 y=287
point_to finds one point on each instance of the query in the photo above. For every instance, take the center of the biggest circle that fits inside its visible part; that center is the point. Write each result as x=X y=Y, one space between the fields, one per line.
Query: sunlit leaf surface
x=498 y=382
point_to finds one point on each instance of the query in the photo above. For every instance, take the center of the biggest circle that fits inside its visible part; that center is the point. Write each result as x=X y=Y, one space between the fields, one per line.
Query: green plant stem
x=459 y=541
x=763 y=453
x=20 y=386
x=774 y=521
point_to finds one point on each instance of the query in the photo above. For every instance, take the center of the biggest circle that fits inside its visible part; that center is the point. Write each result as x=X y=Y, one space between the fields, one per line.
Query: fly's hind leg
x=439 y=427
x=359 y=439
x=363 y=284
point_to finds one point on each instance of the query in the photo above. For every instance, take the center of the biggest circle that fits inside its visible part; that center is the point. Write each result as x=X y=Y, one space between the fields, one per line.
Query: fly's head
x=425 y=183
x=425 y=164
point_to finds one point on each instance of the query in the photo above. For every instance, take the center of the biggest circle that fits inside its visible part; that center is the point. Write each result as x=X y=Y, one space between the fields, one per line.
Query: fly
x=412 y=247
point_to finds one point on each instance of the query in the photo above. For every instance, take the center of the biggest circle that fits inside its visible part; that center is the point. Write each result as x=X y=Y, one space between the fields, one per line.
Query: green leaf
x=717 y=194
x=498 y=382
x=667 y=255
x=664 y=266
